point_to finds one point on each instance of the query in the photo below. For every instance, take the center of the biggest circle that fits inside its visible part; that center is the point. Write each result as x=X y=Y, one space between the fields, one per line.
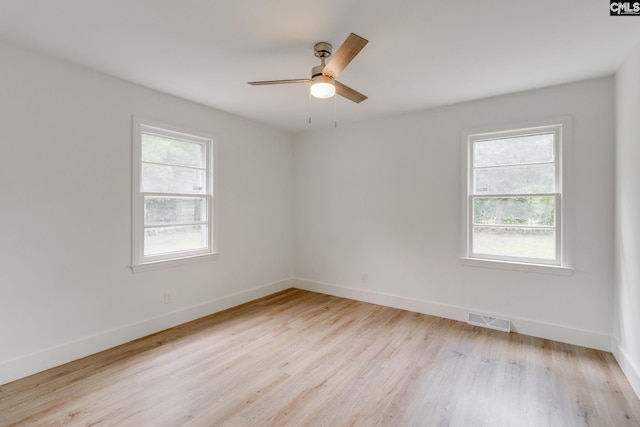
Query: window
x=515 y=198
x=173 y=198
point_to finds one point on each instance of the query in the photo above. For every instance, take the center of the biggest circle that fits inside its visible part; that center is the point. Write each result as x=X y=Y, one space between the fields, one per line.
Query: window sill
x=518 y=266
x=155 y=265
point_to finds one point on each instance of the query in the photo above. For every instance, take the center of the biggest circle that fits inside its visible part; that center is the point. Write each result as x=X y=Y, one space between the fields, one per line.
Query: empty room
x=340 y=213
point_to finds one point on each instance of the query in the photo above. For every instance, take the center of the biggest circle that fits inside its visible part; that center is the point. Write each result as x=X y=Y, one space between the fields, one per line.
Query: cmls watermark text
x=621 y=8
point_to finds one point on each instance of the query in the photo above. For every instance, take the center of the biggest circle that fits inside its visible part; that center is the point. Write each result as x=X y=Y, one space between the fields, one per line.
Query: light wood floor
x=298 y=358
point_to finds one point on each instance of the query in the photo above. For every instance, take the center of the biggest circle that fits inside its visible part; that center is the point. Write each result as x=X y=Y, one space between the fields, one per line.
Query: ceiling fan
x=323 y=77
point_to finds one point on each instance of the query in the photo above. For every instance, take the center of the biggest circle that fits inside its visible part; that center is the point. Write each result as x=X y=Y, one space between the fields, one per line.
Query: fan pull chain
x=309 y=104
x=335 y=111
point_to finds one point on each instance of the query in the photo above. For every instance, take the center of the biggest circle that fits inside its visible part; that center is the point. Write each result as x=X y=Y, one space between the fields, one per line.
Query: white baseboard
x=21 y=367
x=630 y=369
x=549 y=331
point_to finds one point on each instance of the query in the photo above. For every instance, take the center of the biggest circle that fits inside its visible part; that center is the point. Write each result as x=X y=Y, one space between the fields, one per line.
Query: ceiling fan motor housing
x=317 y=71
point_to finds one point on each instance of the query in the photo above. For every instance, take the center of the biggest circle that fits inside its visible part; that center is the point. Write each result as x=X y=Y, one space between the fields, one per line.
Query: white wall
x=383 y=198
x=65 y=208
x=626 y=345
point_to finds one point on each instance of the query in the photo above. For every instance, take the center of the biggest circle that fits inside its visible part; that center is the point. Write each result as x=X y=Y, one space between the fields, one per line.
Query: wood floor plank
x=299 y=358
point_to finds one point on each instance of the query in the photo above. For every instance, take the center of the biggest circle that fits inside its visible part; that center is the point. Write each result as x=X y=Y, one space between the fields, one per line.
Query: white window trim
x=565 y=225
x=139 y=263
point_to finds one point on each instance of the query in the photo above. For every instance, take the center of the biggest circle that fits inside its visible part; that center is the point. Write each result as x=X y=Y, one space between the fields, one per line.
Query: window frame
x=140 y=262
x=562 y=129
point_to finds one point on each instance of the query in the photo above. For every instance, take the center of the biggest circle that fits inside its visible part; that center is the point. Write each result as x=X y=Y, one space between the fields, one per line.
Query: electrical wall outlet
x=364 y=278
x=168 y=297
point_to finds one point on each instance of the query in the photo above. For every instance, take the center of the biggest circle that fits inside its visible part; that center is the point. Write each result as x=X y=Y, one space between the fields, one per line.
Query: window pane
x=172 y=179
x=518 y=150
x=160 y=149
x=514 y=242
x=174 y=210
x=533 y=210
x=161 y=240
x=529 y=179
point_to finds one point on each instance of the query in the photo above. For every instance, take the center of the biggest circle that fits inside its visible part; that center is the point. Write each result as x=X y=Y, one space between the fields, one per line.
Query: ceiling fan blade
x=344 y=55
x=280 y=82
x=347 y=92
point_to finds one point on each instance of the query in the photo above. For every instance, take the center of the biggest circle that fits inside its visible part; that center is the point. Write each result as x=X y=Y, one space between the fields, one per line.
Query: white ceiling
x=421 y=53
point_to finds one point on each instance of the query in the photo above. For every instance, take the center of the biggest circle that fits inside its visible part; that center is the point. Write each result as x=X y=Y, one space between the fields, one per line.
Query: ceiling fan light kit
x=323 y=77
x=322 y=86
